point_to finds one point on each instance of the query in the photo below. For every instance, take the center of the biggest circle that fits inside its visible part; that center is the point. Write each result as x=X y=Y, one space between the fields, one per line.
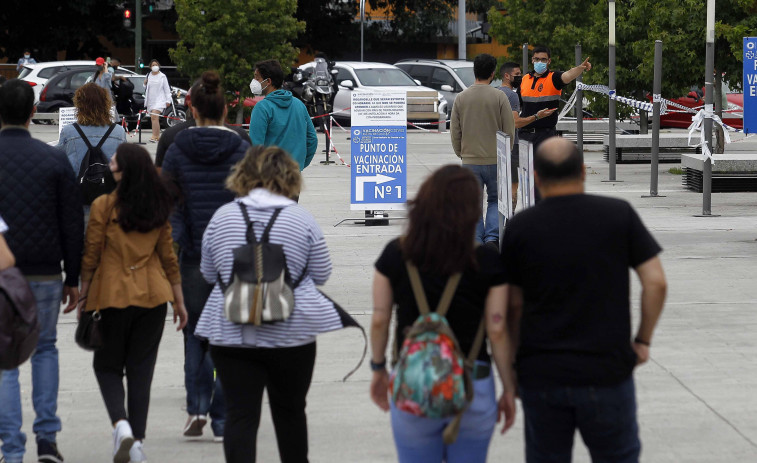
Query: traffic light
x=140 y=63
x=127 y=18
x=150 y=5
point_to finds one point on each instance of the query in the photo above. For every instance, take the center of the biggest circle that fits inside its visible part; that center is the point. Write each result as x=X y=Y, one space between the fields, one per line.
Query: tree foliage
x=78 y=26
x=330 y=26
x=413 y=20
x=230 y=36
x=680 y=24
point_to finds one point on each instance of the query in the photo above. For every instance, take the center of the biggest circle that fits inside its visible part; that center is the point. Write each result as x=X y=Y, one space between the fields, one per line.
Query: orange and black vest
x=539 y=93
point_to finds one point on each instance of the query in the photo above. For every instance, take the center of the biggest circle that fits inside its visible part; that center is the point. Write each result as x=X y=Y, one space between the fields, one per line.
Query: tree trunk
x=718 y=97
x=240 y=107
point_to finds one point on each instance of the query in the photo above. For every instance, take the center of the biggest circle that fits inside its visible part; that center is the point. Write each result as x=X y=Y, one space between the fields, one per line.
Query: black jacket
x=40 y=203
x=199 y=161
x=168 y=136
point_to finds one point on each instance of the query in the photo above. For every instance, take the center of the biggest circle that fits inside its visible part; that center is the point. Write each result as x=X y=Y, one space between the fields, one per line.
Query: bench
x=593 y=129
x=731 y=172
x=638 y=148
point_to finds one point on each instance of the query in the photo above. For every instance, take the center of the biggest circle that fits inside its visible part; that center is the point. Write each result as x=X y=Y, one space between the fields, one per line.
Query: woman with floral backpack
x=441 y=392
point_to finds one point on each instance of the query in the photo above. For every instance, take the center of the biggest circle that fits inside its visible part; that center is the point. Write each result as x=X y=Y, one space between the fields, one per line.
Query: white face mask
x=155 y=68
x=256 y=88
x=27 y=56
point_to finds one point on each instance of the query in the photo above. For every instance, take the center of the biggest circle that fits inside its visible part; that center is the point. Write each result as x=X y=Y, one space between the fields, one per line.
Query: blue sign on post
x=379 y=151
x=750 y=84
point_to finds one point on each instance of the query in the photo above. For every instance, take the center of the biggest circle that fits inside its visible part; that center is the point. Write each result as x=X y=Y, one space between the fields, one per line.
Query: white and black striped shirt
x=303 y=244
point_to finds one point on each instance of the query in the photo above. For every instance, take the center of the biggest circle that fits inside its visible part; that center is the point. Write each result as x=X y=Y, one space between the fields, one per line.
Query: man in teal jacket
x=280 y=119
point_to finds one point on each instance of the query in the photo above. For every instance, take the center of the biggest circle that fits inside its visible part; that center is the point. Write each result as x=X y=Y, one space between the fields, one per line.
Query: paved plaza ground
x=697 y=396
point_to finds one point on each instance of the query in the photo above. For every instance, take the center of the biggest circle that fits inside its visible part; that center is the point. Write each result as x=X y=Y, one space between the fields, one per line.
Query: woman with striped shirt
x=277 y=357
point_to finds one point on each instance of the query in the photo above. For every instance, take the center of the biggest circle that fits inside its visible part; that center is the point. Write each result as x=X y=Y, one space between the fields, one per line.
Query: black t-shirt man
x=571 y=257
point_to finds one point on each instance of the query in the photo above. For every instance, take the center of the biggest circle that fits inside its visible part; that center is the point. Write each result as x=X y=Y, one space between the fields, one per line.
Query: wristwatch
x=378 y=366
x=536 y=116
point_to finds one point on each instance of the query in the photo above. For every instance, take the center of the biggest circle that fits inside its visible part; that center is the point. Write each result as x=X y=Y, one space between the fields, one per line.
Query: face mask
x=27 y=56
x=515 y=83
x=540 y=67
x=256 y=88
x=155 y=68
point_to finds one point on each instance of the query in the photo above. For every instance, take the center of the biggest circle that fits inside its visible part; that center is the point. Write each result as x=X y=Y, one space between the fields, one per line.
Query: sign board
x=526 y=196
x=379 y=151
x=750 y=84
x=504 y=180
x=67 y=116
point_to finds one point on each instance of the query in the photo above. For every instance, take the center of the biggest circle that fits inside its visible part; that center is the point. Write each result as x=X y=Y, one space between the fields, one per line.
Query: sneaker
x=123 y=439
x=137 y=453
x=194 y=425
x=47 y=452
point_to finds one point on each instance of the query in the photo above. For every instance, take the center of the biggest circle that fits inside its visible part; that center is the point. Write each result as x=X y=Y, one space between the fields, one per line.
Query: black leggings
x=285 y=373
x=132 y=336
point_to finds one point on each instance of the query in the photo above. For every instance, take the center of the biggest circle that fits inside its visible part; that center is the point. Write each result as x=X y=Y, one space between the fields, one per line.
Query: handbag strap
x=420 y=294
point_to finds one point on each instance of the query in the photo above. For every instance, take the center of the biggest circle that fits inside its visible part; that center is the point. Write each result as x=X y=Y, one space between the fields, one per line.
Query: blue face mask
x=540 y=67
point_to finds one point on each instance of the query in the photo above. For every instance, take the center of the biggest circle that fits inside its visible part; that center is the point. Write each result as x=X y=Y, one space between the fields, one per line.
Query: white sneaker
x=137 y=453
x=194 y=425
x=123 y=439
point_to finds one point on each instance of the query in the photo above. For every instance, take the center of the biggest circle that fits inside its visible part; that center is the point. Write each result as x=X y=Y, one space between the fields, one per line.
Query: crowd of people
x=216 y=206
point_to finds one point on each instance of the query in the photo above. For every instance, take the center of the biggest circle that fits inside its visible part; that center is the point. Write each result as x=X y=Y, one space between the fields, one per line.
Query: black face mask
x=516 y=81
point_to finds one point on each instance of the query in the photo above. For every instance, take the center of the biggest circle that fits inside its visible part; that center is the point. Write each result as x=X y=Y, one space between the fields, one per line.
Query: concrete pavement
x=697 y=400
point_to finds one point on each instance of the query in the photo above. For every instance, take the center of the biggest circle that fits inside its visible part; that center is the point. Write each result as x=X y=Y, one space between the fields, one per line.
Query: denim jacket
x=71 y=142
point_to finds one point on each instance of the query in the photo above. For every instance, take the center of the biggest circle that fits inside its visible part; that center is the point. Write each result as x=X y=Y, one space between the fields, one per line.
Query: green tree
x=77 y=29
x=230 y=36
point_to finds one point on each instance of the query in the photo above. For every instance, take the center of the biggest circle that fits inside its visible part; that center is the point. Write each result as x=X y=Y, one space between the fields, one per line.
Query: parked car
x=60 y=89
x=354 y=76
x=447 y=76
x=38 y=74
x=733 y=115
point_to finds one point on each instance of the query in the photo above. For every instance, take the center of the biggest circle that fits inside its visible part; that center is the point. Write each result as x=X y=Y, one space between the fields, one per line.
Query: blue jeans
x=487 y=228
x=44 y=362
x=419 y=440
x=605 y=417
x=204 y=393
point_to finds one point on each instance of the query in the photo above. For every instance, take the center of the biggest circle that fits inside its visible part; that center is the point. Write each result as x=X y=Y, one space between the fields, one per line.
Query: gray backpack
x=261 y=289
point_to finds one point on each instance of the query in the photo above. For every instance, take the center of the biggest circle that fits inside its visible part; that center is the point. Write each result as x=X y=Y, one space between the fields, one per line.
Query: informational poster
x=750 y=84
x=379 y=151
x=526 y=196
x=504 y=182
x=67 y=116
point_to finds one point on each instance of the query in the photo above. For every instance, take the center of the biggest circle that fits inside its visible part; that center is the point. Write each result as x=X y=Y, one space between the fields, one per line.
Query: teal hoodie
x=282 y=120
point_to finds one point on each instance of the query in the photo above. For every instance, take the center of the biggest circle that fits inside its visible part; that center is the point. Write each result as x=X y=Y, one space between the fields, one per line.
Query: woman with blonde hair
x=276 y=357
x=93 y=119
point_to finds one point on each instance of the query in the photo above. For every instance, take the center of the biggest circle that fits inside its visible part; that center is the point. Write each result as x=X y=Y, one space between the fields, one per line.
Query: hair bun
x=210 y=81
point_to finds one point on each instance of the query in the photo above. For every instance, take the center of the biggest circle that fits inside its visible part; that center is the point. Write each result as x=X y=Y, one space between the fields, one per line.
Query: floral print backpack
x=432 y=377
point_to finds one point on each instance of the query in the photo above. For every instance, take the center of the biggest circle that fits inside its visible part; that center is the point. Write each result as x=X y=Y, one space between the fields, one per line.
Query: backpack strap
x=250 y=231
x=83 y=137
x=105 y=137
x=267 y=231
x=420 y=295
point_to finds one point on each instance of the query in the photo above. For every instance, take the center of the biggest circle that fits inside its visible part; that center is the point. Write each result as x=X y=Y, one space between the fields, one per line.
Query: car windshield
x=384 y=77
x=24 y=72
x=466 y=75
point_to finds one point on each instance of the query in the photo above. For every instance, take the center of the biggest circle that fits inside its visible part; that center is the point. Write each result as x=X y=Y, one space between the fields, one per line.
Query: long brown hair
x=442 y=222
x=268 y=167
x=93 y=105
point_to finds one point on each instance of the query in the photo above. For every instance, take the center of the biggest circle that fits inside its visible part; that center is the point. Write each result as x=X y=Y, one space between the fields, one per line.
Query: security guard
x=541 y=90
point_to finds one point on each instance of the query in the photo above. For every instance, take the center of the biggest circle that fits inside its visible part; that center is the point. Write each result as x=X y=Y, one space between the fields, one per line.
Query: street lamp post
x=611 y=155
x=709 y=73
x=362 y=22
x=461 y=52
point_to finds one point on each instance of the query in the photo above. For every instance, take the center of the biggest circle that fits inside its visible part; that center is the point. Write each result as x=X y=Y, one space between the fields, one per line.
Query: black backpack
x=19 y=327
x=95 y=177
